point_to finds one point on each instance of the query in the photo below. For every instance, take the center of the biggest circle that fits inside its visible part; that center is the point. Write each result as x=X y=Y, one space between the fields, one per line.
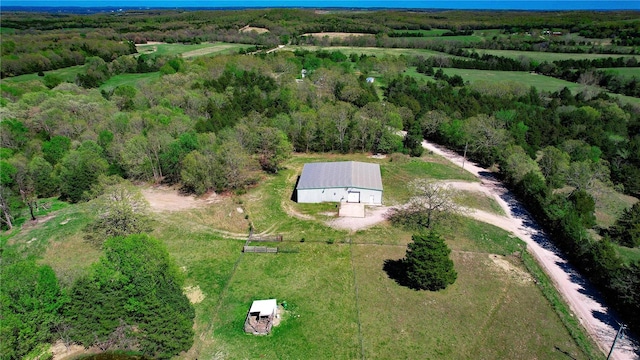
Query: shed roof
x=344 y=174
x=264 y=307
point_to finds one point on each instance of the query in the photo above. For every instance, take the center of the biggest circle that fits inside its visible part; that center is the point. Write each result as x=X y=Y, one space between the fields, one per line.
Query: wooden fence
x=259 y=249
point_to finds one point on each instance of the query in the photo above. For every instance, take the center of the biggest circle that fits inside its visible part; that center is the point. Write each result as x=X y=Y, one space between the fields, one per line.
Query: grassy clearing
x=426 y=33
x=129 y=79
x=348 y=50
x=539 y=56
x=609 y=206
x=318 y=286
x=628 y=255
x=480 y=201
x=481 y=316
x=194 y=49
x=625 y=72
x=67 y=74
x=541 y=82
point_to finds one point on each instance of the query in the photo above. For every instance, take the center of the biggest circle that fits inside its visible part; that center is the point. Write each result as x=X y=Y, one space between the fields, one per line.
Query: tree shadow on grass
x=397 y=270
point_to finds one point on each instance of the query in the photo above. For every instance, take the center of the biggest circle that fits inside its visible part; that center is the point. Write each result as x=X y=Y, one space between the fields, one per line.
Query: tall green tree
x=132 y=299
x=428 y=264
x=80 y=169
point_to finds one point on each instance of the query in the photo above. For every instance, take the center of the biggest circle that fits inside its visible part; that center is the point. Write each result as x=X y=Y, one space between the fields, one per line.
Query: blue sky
x=458 y=4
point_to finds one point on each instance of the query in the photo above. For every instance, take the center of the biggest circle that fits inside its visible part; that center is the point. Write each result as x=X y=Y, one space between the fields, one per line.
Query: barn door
x=353 y=197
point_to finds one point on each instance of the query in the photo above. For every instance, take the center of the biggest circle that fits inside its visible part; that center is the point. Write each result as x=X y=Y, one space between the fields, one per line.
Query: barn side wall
x=338 y=195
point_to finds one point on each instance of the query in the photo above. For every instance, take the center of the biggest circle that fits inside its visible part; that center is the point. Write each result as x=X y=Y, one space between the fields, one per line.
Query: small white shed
x=261 y=316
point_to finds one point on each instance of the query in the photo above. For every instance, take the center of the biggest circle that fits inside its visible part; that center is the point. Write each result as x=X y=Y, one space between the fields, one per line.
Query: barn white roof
x=264 y=307
x=344 y=174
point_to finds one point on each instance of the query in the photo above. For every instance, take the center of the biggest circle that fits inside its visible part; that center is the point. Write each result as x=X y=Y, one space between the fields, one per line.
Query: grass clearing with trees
x=164 y=49
x=627 y=72
x=129 y=79
x=540 y=56
x=541 y=82
x=66 y=74
x=476 y=315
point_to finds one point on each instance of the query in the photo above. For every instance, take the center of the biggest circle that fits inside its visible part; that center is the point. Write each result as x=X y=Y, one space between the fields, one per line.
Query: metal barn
x=346 y=181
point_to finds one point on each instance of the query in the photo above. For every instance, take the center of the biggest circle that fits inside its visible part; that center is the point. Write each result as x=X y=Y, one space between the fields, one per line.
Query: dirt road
x=583 y=299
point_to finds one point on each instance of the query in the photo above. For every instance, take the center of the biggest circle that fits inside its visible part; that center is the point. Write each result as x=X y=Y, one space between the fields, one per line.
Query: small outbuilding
x=370 y=80
x=261 y=316
x=345 y=181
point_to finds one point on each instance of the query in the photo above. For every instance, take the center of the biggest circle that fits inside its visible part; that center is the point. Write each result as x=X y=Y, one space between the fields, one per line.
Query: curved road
x=583 y=299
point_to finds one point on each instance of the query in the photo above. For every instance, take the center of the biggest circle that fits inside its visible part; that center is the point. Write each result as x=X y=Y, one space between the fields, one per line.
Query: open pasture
x=129 y=79
x=348 y=50
x=190 y=50
x=66 y=74
x=625 y=72
x=541 y=82
x=341 y=302
x=425 y=33
x=538 y=56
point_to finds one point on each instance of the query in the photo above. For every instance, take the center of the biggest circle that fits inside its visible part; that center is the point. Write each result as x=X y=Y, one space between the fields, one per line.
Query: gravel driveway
x=583 y=299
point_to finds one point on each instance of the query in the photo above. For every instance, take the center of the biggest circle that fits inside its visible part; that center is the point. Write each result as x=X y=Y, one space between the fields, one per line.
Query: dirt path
x=585 y=302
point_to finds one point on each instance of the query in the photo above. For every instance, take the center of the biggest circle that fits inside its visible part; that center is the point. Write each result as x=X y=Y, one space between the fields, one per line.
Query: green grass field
x=67 y=74
x=341 y=303
x=348 y=50
x=191 y=50
x=538 y=56
x=626 y=72
x=129 y=79
x=541 y=82
x=426 y=33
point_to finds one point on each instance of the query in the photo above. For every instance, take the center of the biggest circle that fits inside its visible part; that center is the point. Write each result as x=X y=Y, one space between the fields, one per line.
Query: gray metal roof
x=344 y=174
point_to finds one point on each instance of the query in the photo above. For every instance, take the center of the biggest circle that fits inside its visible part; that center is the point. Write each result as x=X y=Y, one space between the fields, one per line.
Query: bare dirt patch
x=168 y=199
x=373 y=216
x=335 y=35
x=259 y=30
x=60 y=351
x=194 y=294
x=515 y=273
x=37 y=221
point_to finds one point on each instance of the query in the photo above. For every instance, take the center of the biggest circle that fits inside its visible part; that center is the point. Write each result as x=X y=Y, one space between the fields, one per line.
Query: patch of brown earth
x=168 y=199
x=194 y=294
x=513 y=272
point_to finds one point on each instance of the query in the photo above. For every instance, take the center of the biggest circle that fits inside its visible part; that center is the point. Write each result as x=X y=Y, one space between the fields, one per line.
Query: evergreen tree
x=132 y=299
x=428 y=264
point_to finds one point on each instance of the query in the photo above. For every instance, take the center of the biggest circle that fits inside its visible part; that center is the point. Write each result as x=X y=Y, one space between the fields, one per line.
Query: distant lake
x=358 y=4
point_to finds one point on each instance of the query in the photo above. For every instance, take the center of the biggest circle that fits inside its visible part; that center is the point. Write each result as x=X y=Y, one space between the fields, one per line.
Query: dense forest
x=224 y=123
